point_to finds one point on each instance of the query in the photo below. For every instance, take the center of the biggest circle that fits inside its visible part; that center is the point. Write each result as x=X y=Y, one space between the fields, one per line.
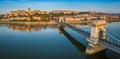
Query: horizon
x=106 y=6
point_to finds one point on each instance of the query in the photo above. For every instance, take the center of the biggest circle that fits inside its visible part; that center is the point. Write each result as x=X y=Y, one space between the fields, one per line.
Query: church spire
x=29 y=10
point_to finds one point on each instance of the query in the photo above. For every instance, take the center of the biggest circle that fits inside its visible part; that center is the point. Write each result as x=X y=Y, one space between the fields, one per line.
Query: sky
x=107 y=6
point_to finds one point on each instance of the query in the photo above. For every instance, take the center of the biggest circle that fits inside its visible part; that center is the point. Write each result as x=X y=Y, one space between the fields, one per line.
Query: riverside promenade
x=28 y=23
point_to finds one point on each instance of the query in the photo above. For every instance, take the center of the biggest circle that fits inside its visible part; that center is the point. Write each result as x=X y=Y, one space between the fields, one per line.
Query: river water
x=48 y=42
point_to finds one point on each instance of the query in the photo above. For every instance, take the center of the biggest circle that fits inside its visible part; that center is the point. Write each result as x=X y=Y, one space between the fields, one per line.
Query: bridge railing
x=111 y=42
x=111 y=45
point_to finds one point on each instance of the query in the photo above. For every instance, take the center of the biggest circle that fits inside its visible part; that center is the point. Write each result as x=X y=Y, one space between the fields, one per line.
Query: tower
x=29 y=11
x=95 y=36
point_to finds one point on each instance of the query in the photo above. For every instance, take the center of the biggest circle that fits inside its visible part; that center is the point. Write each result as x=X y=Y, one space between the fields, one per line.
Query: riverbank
x=28 y=23
x=53 y=23
x=113 y=20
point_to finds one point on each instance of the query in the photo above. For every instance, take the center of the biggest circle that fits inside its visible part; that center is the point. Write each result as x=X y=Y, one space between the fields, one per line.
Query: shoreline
x=28 y=23
x=51 y=23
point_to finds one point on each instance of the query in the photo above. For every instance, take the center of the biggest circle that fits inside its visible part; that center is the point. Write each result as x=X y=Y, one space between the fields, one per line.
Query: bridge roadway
x=80 y=31
x=111 y=42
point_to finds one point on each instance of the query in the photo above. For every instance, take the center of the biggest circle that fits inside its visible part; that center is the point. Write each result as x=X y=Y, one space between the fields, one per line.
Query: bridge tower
x=96 y=35
x=61 y=19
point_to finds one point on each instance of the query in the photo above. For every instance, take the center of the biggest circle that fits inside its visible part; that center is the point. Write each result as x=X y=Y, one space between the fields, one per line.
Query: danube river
x=48 y=42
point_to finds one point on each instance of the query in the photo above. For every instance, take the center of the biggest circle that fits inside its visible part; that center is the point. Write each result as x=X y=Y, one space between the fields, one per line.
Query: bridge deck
x=111 y=42
x=80 y=31
x=111 y=45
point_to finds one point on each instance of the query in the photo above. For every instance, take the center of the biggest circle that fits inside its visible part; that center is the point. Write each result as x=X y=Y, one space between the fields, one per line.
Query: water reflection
x=28 y=27
x=32 y=27
x=46 y=42
x=82 y=48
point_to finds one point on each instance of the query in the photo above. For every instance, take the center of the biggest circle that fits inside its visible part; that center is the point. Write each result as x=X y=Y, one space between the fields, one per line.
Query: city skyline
x=106 y=6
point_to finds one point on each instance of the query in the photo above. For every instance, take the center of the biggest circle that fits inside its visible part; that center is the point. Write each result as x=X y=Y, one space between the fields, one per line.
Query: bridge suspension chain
x=86 y=34
x=113 y=36
x=111 y=40
x=113 y=33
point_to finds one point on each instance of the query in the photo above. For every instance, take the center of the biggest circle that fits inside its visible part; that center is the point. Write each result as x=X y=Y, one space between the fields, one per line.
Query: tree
x=44 y=19
x=57 y=14
x=98 y=18
x=85 y=19
x=32 y=20
x=36 y=14
x=25 y=20
x=1 y=17
x=14 y=20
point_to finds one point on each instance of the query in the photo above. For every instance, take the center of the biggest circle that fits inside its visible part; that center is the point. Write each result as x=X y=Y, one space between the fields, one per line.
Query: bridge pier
x=95 y=36
x=60 y=25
